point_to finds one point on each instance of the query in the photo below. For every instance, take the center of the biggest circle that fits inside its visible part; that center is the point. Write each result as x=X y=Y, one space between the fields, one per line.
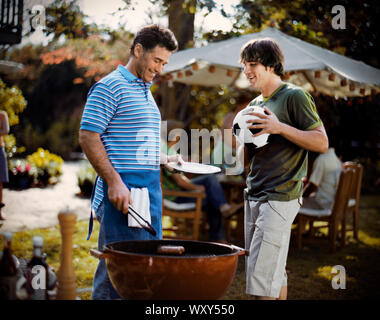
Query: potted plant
x=20 y=174
x=86 y=179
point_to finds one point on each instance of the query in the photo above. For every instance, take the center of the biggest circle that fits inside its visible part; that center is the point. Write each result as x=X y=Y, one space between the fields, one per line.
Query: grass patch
x=84 y=264
x=309 y=269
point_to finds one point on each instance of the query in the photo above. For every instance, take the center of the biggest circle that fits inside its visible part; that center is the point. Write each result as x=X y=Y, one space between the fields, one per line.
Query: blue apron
x=115 y=223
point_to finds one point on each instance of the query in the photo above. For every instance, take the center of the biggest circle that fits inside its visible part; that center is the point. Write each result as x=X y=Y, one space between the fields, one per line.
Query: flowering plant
x=86 y=179
x=20 y=173
x=48 y=166
x=20 y=167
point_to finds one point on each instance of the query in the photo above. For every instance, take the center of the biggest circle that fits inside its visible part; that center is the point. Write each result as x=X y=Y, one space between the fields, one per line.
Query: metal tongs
x=148 y=227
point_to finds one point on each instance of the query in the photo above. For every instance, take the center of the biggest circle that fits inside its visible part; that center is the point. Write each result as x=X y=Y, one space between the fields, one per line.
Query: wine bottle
x=8 y=270
x=37 y=274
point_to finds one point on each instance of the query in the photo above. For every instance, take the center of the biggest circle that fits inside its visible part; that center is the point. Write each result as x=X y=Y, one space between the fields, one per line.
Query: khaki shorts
x=267 y=227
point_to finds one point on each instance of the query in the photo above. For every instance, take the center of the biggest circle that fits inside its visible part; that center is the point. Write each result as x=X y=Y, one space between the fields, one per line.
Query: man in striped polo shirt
x=120 y=135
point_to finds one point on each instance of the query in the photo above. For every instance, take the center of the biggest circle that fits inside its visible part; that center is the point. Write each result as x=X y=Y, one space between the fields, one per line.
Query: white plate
x=193 y=167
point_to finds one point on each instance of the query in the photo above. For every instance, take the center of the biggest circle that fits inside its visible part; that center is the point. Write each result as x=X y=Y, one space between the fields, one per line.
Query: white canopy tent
x=10 y=69
x=306 y=65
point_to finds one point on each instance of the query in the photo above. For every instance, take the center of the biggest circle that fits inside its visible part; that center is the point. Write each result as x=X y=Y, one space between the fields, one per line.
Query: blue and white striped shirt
x=121 y=108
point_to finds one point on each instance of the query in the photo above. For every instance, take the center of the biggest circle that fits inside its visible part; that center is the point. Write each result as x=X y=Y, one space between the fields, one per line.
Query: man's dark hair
x=265 y=51
x=151 y=36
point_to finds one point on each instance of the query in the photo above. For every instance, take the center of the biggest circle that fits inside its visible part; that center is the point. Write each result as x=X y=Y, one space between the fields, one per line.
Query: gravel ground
x=39 y=207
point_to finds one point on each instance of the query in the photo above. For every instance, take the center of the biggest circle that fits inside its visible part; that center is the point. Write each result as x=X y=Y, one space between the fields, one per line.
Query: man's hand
x=268 y=122
x=119 y=196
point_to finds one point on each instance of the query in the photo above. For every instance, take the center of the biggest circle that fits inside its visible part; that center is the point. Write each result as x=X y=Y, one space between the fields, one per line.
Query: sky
x=106 y=12
x=100 y=12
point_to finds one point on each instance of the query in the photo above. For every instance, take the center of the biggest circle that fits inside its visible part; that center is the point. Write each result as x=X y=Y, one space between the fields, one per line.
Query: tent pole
x=308 y=79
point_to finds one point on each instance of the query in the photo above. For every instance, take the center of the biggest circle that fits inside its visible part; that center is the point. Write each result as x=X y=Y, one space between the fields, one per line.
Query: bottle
x=37 y=274
x=8 y=270
x=52 y=277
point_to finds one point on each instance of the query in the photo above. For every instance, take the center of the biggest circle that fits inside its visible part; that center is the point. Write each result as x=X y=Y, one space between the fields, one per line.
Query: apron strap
x=92 y=212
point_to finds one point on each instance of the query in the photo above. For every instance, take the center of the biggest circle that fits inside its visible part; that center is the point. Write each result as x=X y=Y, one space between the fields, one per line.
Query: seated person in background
x=319 y=191
x=224 y=151
x=224 y=154
x=215 y=203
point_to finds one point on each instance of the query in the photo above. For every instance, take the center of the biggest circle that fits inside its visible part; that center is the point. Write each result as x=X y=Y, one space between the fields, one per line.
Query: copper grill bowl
x=204 y=271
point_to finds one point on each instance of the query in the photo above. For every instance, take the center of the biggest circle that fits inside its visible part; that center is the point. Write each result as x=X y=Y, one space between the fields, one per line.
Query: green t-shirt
x=277 y=168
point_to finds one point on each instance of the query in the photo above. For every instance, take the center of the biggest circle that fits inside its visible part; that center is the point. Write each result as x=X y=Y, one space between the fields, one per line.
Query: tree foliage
x=66 y=18
x=12 y=102
x=61 y=81
x=312 y=22
x=93 y=55
x=56 y=77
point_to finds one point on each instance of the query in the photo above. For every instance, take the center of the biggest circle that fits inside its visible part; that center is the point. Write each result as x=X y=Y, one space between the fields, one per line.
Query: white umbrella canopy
x=308 y=66
x=10 y=69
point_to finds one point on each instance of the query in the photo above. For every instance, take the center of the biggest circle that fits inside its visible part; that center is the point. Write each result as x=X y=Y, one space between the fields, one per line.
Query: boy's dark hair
x=151 y=36
x=265 y=51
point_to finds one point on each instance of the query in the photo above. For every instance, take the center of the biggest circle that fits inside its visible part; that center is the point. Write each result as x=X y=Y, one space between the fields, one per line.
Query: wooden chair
x=353 y=202
x=191 y=211
x=234 y=190
x=334 y=217
x=188 y=211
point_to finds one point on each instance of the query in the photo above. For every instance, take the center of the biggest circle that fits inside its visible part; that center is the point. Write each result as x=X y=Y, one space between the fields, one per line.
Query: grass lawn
x=309 y=269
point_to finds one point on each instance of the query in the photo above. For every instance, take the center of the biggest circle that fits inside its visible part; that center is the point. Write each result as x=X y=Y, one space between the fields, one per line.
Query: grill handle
x=241 y=251
x=99 y=254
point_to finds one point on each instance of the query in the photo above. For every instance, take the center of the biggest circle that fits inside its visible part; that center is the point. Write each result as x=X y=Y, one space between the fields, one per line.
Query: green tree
x=174 y=101
x=56 y=80
x=66 y=18
x=312 y=22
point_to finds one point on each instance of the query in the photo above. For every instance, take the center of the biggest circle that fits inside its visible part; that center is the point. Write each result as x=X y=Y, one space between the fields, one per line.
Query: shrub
x=62 y=136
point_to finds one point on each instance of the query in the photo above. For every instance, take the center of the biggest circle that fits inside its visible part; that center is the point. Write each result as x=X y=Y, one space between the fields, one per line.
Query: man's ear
x=138 y=50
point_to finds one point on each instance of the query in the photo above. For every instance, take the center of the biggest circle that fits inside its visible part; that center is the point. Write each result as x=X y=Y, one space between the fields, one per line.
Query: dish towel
x=141 y=204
